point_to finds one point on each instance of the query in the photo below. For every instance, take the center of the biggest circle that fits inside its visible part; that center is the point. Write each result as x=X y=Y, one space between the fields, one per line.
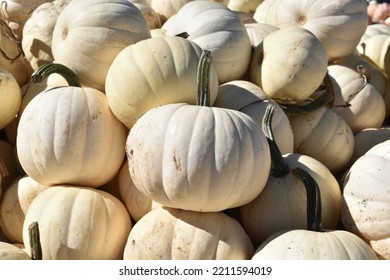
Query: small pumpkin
x=68 y=135
x=78 y=223
x=289 y=64
x=174 y=234
x=197 y=157
x=10 y=97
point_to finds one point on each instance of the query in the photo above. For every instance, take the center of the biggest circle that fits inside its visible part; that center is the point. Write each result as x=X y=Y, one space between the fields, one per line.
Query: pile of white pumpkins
x=178 y=129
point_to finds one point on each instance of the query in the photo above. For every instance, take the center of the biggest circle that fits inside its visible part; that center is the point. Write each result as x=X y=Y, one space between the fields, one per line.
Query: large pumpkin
x=78 y=223
x=68 y=135
x=10 y=97
x=89 y=44
x=174 y=234
x=365 y=207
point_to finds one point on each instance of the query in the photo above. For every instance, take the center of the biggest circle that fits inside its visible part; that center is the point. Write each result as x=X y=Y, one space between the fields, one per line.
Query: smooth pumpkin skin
x=89 y=44
x=366 y=108
x=312 y=245
x=325 y=136
x=339 y=25
x=78 y=223
x=213 y=26
x=154 y=72
x=10 y=97
x=282 y=203
x=15 y=203
x=198 y=158
x=365 y=207
x=174 y=234
x=289 y=64
x=68 y=135
x=9 y=251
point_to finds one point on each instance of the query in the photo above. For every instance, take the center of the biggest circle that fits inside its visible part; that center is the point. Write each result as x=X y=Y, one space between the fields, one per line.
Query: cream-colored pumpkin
x=303 y=244
x=11 y=252
x=258 y=31
x=250 y=99
x=198 y=158
x=153 y=72
x=368 y=71
x=13 y=208
x=136 y=202
x=358 y=102
x=339 y=25
x=375 y=29
x=213 y=26
x=38 y=32
x=376 y=49
x=78 y=223
x=10 y=97
x=173 y=234
x=365 y=207
x=368 y=138
x=68 y=135
x=89 y=44
x=325 y=136
x=245 y=6
x=289 y=65
x=260 y=14
x=167 y=8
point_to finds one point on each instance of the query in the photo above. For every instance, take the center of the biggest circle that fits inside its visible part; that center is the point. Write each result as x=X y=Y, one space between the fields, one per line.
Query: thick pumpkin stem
x=50 y=68
x=35 y=242
x=203 y=79
x=314 y=208
x=326 y=99
x=280 y=168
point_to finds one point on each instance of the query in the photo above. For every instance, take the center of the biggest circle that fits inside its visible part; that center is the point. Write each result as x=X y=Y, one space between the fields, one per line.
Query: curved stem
x=35 y=242
x=314 y=207
x=50 y=68
x=325 y=99
x=203 y=79
x=280 y=168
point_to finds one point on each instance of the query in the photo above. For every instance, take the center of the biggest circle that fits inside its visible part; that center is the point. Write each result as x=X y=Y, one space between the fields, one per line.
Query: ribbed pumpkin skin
x=154 y=72
x=173 y=234
x=89 y=44
x=365 y=207
x=69 y=135
x=311 y=245
x=198 y=158
x=339 y=25
x=78 y=223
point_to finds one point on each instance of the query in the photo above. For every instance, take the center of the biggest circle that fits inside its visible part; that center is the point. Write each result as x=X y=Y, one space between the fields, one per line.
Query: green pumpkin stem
x=325 y=99
x=280 y=168
x=50 y=68
x=35 y=242
x=314 y=208
x=203 y=79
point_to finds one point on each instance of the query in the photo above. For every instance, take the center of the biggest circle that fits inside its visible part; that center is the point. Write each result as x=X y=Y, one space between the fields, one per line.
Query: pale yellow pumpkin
x=9 y=252
x=357 y=101
x=151 y=16
x=173 y=234
x=38 y=32
x=89 y=44
x=258 y=31
x=338 y=25
x=68 y=135
x=365 y=207
x=213 y=26
x=375 y=29
x=13 y=208
x=245 y=6
x=10 y=97
x=167 y=8
x=153 y=72
x=78 y=223
x=325 y=136
x=376 y=49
